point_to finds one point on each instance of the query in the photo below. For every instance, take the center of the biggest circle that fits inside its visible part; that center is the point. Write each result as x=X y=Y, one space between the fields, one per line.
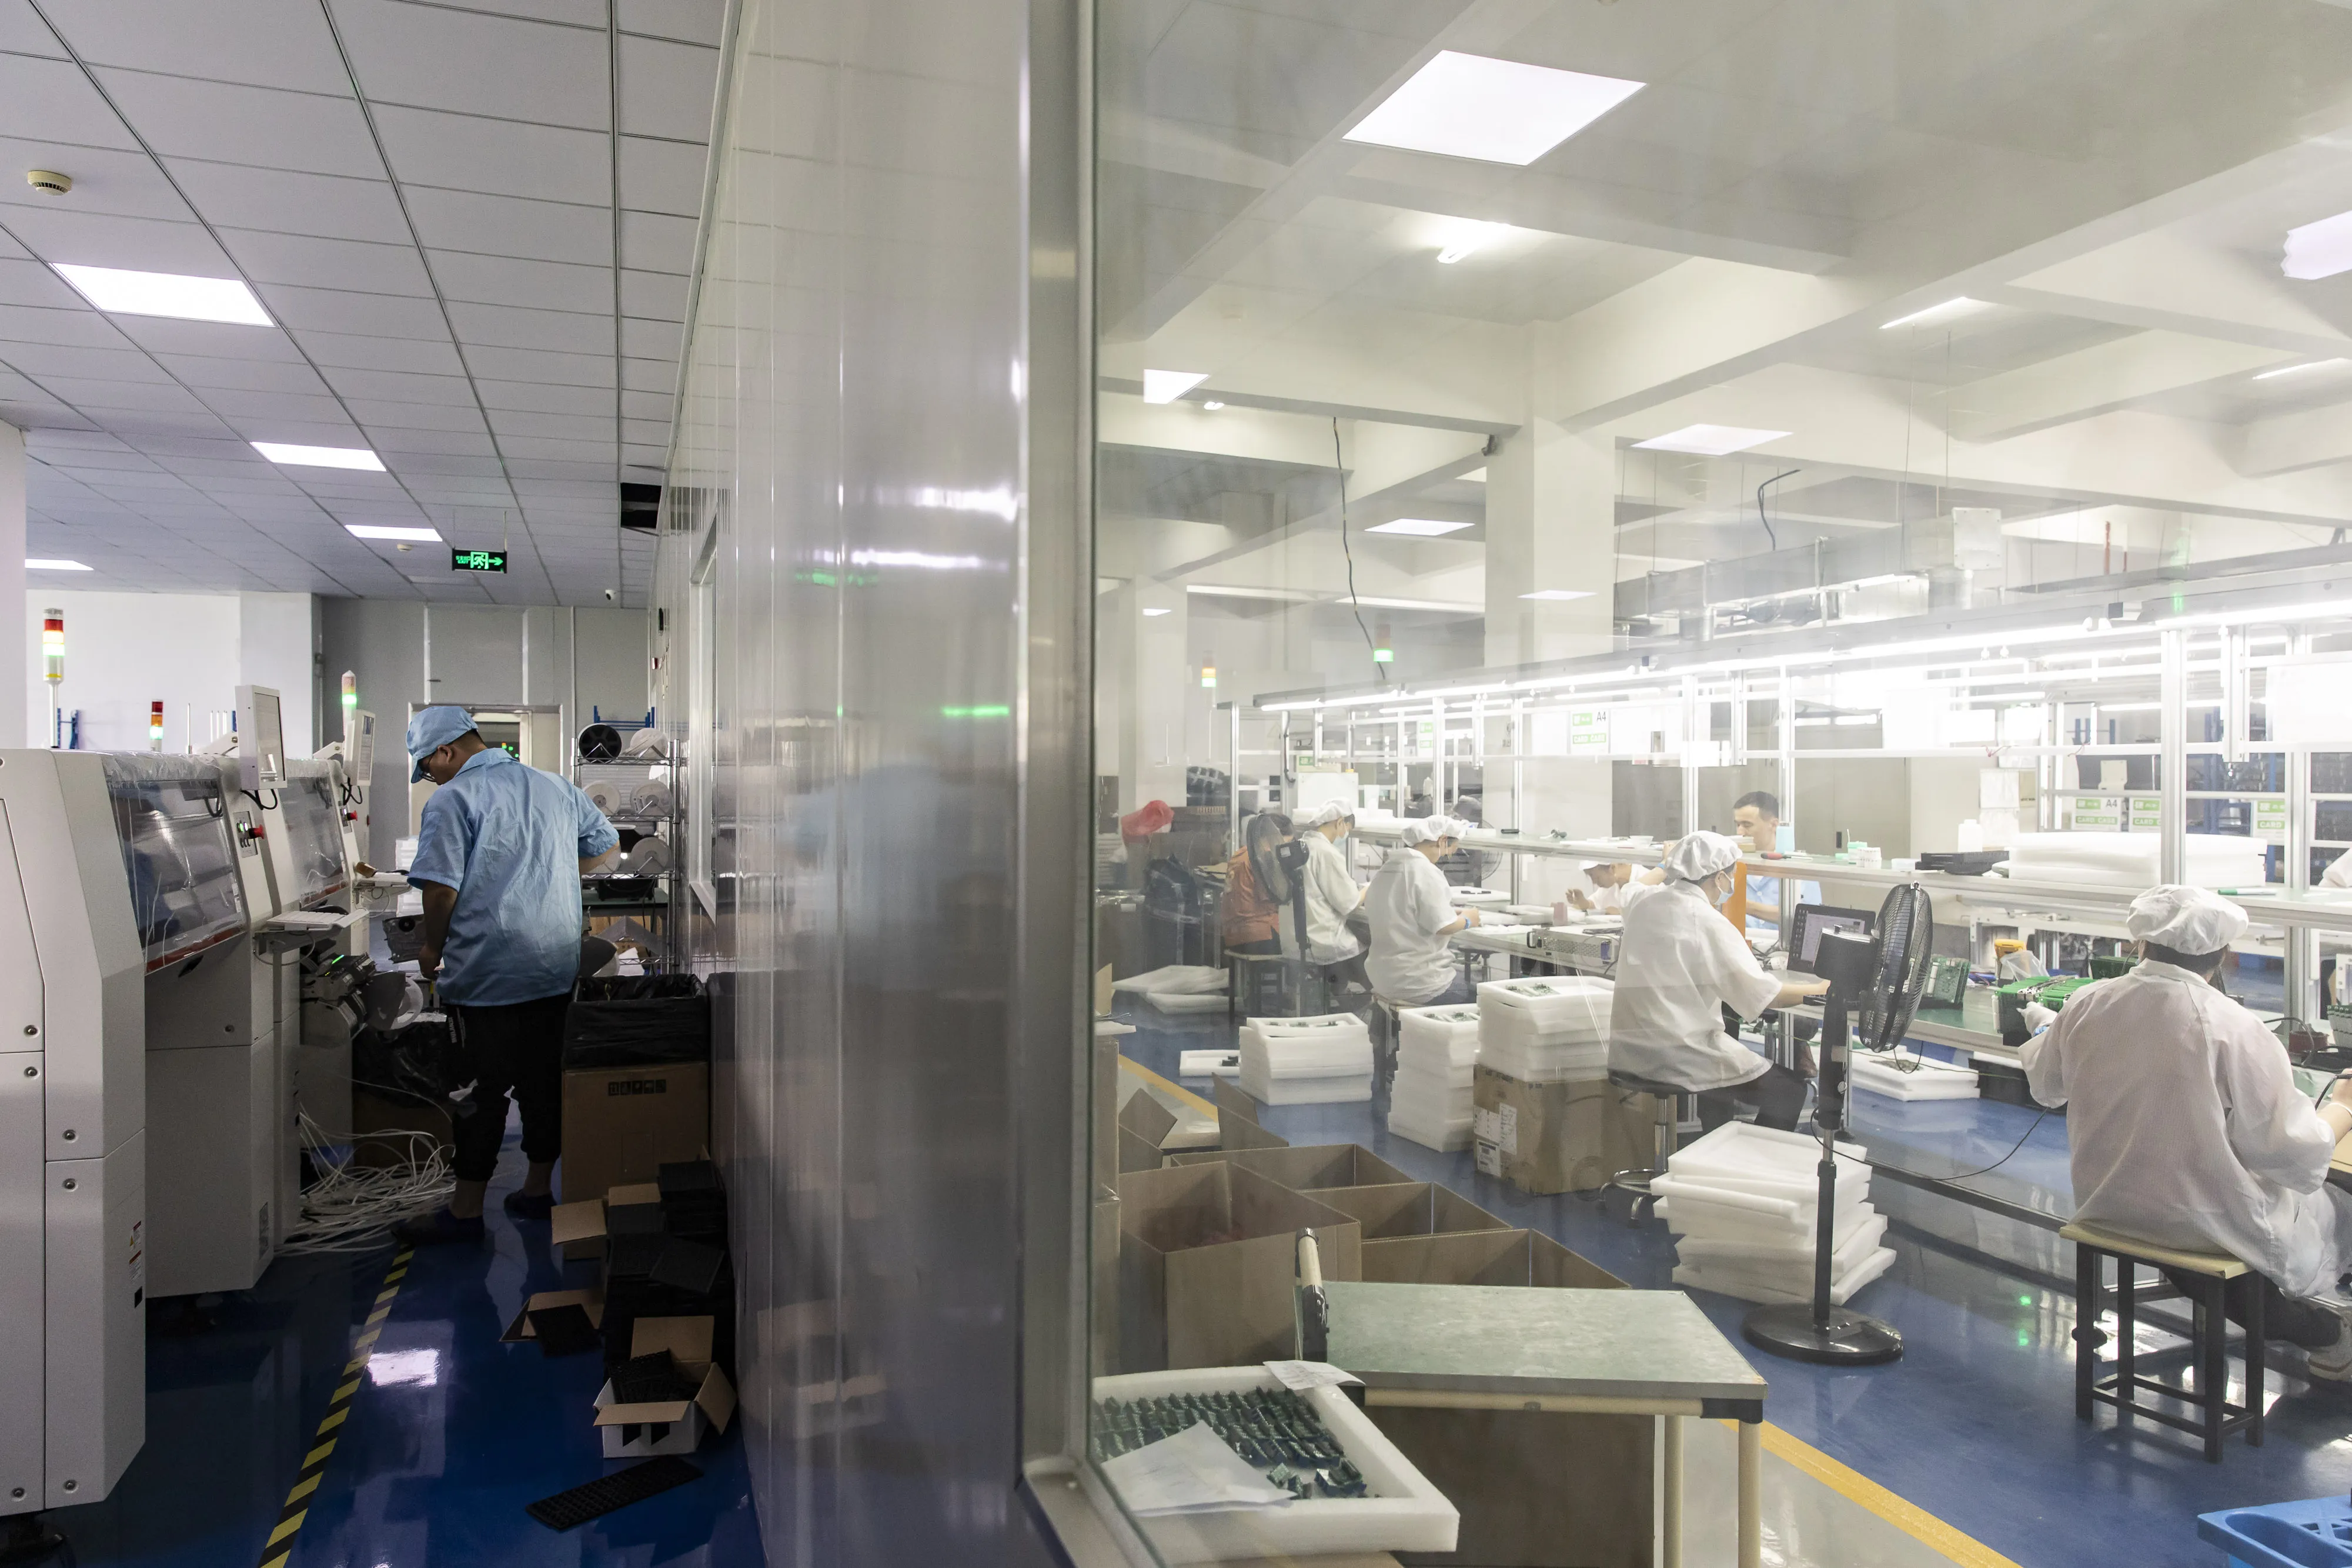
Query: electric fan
x=1875 y=987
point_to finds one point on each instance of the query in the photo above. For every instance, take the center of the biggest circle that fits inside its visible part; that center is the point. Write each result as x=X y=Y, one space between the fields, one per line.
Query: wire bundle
x=348 y=1208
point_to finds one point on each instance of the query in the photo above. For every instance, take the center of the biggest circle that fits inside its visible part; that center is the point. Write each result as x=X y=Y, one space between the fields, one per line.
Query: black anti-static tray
x=568 y=1510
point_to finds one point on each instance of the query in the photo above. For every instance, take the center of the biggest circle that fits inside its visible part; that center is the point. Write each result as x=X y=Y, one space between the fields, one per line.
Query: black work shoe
x=437 y=1229
x=522 y=1206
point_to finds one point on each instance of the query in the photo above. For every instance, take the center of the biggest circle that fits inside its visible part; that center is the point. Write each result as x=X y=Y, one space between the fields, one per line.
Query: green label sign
x=477 y=561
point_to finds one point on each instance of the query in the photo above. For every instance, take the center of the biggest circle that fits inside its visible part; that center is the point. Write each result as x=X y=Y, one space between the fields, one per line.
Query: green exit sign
x=477 y=561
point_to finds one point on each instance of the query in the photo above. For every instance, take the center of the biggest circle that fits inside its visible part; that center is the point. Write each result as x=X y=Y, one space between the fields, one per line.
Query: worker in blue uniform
x=500 y=849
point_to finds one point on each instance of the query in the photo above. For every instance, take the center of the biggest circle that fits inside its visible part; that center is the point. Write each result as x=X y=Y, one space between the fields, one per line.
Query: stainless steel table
x=1607 y=1353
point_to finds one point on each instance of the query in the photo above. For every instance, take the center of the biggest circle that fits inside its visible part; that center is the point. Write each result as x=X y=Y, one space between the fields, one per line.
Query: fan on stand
x=1875 y=987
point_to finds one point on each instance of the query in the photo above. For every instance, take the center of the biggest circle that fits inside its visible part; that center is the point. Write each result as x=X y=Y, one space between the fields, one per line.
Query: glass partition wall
x=1579 y=419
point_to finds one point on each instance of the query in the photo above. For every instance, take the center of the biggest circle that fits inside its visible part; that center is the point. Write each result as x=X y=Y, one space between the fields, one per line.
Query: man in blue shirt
x=499 y=853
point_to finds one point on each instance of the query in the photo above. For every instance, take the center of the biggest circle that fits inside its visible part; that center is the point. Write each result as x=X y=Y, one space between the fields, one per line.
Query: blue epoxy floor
x=1977 y=1423
x=448 y=1439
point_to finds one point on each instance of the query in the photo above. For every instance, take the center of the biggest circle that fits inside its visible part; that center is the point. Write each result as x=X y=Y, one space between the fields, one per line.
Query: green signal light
x=991 y=710
x=1383 y=655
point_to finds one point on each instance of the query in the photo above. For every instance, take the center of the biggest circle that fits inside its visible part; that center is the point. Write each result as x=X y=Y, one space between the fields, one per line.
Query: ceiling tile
x=650 y=340
x=402 y=386
x=266 y=42
x=299 y=433
x=125 y=183
x=570 y=426
x=217 y=339
x=251 y=375
x=435 y=56
x=646 y=405
x=338 y=310
x=654 y=295
x=496 y=157
x=11 y=250
x=90 y=396
x=663 y=176
x=546 y=398
x=241 y=406
x=649 y=375
x=45 y=361
x=529 y=364
x=97 y=239
x=436 y=356
x=378 y=415
x=51 y=100
x=506 y=326
x=286 y=200
x=329 y=263
x=690 y=21
x=457 y=465
x=22 y=31
x=645 y=456
x=646 y=432
x=32 y=324
x=511 y=281
x=523 y=451
x=655 y=242
x=393 y=442
x=500 y=225
x=272 y=130
x=667 y=88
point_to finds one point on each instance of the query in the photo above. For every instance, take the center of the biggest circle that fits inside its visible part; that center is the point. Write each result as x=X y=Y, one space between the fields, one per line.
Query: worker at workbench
x=1412 y=913
x=2186 y=1128
x=1681 y=965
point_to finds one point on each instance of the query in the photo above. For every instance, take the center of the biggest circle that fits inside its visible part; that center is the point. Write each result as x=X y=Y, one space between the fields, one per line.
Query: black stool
x=1635 y=1183
x=2208 y=1339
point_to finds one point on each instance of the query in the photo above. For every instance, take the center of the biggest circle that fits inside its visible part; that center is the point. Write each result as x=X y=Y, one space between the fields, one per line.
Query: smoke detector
x=49 y=180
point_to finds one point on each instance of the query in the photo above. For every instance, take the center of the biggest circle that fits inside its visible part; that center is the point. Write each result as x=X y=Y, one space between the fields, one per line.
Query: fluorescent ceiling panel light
x=31 y=565
x=378 y=532
x=1441 y=606
x=2319 y=250
x=122 y=293
x=1950 y=310
x=1468 y=240
x=1236 y=591
x=320 y=456
x=1475 y=477
x=2298 y=369
x=1167 y=386
x=1420 y=528
x=1709 y=440
x=1555 y=594
x=1497 y=111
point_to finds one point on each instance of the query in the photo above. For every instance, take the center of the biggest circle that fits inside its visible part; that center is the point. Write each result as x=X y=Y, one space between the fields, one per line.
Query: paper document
x=1298 y=1376
x=1195 y=1471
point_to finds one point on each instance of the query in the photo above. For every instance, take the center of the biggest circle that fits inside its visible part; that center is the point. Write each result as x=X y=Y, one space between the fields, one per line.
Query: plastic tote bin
x=2314 y=1533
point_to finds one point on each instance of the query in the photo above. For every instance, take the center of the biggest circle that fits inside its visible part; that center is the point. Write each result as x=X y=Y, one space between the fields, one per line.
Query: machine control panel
x=248 y=834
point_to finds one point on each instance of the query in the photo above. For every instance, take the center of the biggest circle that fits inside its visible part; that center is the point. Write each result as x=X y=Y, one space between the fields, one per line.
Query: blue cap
x=431 y=730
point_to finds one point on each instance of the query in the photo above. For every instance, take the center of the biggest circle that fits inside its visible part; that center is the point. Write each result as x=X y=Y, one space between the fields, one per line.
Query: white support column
x=1551 y=526
x=2172 y=758
x=1156 y=684
x=13 y=672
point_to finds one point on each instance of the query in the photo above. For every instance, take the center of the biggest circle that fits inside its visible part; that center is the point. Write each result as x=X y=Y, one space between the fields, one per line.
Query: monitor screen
x=1812 y=919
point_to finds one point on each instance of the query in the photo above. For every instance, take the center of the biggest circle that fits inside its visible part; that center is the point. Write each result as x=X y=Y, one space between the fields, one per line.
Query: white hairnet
x=1429 y=830
x=1329 y=812
x=2185 y=919
x=1699 y=856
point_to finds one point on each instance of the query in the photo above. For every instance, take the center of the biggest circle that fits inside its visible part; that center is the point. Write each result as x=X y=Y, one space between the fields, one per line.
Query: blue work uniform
x=1764 y=900
x=509 y=839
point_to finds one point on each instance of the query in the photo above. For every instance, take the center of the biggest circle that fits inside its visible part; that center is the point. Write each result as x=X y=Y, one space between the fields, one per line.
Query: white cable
x=348 y=1208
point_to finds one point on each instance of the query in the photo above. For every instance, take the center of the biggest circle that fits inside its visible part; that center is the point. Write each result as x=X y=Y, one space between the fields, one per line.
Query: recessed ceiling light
x=320 y=456
x=31 y=565
x=1949 y=310
x=1497 y=111
x=378 y=532
x=121 y=293
x=1167 y=386
x=1426 y=528
x=1468 y=239
x=1558 y=594
x=2319 y=250
x=1159 y=610
x=1211 y=405
x=1710 y=440
x=2298 y=369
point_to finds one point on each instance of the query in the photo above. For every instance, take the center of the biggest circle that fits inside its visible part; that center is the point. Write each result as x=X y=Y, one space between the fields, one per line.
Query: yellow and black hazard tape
x=280 y=1544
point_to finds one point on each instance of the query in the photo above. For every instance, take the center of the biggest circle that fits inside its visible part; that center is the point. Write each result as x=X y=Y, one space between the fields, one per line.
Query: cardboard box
x=1407 y=1208
x=1208 y=1257
x=1237 y=1121
x=1536 y=1490
x=622 y=1124
x=580 y=1229
x=1560 y=1138
x=1307 y=1165
x=521 y=1330
x=645 y=1431
x=1143 y=1122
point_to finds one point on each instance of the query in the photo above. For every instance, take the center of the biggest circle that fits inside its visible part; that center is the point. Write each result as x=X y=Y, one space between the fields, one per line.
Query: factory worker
x=1332 y=893
x=1613 y=884
x=2186 y=1128
x=1680 y=965
x=2338 y=872
x=1756 y=815
x=1413 y=914
x=1257 y=890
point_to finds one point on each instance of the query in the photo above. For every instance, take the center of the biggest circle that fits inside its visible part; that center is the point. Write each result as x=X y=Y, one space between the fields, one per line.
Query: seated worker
x=1680 y=965
x=2184 y=1127
x=1257 y=890
x=1757 y=816
x=1412 y=914
x=1332 y=893
x=1613 y=884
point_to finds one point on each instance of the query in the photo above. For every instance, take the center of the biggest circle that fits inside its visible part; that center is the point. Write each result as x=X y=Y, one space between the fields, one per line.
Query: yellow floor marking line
x=1157 y=1082
x=1856 y=1488
x=280 y=1547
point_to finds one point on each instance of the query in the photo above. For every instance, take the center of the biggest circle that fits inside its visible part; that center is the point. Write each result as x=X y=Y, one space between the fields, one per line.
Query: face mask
x=1723 y=897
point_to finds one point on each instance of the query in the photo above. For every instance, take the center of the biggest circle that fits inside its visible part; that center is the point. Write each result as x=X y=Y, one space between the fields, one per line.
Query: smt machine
x=73 y=1101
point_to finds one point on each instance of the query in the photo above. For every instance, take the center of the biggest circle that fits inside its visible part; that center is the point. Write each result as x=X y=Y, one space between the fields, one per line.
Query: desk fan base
x=1848 y=1339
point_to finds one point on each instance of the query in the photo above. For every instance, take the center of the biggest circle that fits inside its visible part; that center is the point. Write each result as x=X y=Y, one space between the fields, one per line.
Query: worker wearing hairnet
x=1412 y=914
x=1681 y=965
x=1332 y=892
x=2186 y=1128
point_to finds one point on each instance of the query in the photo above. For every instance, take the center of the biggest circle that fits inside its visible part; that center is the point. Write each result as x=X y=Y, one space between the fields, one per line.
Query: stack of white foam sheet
x=2129 y=860
x=1179 y=987
x=1742 y=1203
x=1307 y=1062
x=1904 y=1076
x=1550 y=1028
x=1430 y=1101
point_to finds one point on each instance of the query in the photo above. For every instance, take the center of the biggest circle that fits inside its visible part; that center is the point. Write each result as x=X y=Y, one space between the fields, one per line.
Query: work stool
x=2208 y=1339
x=1635 y=1183
x=1384 y=1041
x=1261 y=987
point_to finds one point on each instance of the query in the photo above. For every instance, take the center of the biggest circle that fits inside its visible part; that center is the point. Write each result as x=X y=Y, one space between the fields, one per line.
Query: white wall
x=123 y=651
x=12 y=578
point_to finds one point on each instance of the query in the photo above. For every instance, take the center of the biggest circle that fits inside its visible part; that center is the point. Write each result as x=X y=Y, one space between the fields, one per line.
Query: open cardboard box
x=1143 y=1124
x=521 y=1330
x=1237 y=1122
x=1407 y=1208
x=1207 y=1262
x=622 y=1125
x=1306 y=1167
x=580 y=1229
x=1560 y=1138
x=646 y=1431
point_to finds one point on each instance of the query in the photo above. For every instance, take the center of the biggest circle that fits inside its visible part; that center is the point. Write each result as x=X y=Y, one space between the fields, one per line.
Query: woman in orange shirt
x=1257 y=890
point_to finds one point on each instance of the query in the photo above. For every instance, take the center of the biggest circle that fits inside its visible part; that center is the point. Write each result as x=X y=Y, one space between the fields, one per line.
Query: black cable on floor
x=2004 y=1159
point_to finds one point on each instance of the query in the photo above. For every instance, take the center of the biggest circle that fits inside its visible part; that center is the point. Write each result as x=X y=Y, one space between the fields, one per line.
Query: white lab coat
x=2186 y=1127
x=1408 y=905
x=2338 y=872
x=1680 y=963
x=1331 y=896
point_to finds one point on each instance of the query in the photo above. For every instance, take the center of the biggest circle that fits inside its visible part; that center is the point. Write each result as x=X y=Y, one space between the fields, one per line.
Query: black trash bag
x=423 y=1063
x=632 y=1020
